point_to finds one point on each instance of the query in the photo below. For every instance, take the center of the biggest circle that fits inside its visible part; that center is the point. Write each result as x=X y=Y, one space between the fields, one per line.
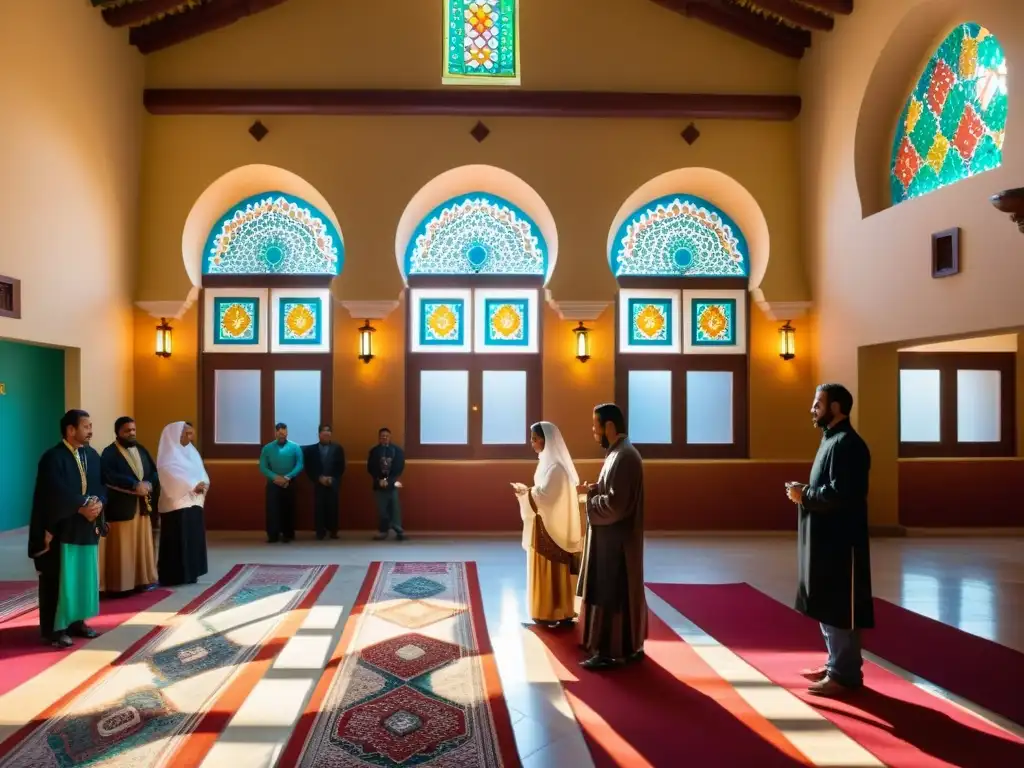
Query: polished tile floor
x=974 y=584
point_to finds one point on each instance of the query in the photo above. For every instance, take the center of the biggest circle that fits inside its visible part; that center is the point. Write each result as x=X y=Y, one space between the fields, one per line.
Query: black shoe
x=321 y=536
x=400 y=535
x=598 y=663
x=81 y=629
x=334 y=535
x=636 y=656
x=272 y=540
x=286 y=540
x=59 y=640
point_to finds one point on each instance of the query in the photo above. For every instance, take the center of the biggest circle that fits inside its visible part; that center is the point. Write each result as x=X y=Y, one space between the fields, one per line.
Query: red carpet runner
x=413 y=680
x=23 y=655
x=165 y=699
x=936 y=652
x=668 y=710
x=902 y=725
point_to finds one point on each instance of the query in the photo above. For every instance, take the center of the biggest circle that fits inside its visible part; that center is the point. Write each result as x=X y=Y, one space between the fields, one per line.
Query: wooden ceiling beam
x=180 y=27
x=472 y=103
x=845 y=7
x=798 y=14
x=743 y=23
x=137 y=12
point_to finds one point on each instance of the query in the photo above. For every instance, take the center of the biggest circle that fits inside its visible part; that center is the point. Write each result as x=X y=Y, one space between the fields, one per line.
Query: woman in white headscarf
x=183 y=487
x=552 y=529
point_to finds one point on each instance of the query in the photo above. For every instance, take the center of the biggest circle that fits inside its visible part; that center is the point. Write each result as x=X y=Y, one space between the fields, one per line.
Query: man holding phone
x=64 y=532
x=834 y=557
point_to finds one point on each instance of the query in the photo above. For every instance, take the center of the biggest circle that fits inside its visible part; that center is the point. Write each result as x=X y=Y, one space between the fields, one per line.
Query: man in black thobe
x=385 y=464
x=835 y=562
x=324 y=463
x=64 y=532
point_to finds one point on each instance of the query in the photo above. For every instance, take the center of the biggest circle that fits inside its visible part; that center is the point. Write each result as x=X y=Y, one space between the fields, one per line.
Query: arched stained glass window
x=481 y=42
x=477 y=234
x=273 y=233
x=679 y=236
x=954 y=122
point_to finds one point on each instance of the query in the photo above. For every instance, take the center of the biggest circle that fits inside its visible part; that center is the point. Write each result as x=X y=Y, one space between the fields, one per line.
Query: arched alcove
x=475 y=194
x=273 y=191
x=914 y=56
x=741 y=225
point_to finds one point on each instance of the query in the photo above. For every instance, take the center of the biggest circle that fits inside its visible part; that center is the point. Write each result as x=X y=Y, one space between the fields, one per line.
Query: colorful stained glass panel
x=953 y=125
x=481 y=42
x=300 y=321
x=442 y=322
x=477 y=234
x=237 y=320
x=507 y=322
x=273 y=233
x=679 y=236
x=650 y=322
x=713 y=322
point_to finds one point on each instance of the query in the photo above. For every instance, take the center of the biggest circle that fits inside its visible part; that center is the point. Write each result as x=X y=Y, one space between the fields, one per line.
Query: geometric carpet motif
x=141 y=710
x=397 y=697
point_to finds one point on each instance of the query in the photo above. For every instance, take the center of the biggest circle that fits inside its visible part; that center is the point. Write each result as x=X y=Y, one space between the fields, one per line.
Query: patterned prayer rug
x=413 y=681
x=145 y=707
x=16 y=598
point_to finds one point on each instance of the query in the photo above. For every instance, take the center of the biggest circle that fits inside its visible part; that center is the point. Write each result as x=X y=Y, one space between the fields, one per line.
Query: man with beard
x=835 y=561
x=67 y=519
x=127 y=555
x=385 y=464
x=613 y=619
x=325 y=464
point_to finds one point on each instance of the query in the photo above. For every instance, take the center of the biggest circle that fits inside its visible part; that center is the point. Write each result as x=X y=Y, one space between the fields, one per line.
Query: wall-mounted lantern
x=164 y=334
x=366 y=332
x=787 y=341
x=582 y=342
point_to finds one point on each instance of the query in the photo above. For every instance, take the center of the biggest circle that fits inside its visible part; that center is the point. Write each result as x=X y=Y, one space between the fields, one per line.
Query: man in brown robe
x=613 y=619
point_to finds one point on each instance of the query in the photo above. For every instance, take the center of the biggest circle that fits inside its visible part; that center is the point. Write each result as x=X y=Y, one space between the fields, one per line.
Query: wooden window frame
x=679 y=364
x=265 y=362
x=476 y=363
x=948 y=363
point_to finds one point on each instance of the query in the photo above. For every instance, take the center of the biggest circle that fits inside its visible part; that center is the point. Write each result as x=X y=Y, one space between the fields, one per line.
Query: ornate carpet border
x=500 y=718
x=207 y=727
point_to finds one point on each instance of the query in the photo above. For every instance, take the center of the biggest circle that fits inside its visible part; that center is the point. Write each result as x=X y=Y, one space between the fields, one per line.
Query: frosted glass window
x=978 y=401
x=297 y=404
x=444 y=407
x=709 y=407
x=650 y=407
x=504 y=408
x=236 y=400
x=920 y=420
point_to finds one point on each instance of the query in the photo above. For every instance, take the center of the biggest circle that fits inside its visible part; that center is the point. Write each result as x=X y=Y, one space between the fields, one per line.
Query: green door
x=30 y=411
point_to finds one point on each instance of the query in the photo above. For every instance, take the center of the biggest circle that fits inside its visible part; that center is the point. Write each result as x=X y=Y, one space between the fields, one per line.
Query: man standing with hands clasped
x=280 y=463
x=835 y=561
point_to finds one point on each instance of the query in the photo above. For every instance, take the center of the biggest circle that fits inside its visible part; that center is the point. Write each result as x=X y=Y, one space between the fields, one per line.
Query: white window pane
x=237 y=407
x=444 y=407
x=505 y=408
x=650 y=407
x=297 y=404
x=709 y=407
x=978 y=401
x=920 y=420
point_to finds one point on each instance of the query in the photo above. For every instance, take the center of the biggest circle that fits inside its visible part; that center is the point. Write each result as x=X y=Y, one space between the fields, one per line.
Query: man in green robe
x=64 y=532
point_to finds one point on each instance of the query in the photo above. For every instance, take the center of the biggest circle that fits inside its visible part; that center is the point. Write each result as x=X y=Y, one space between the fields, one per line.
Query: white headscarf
x=180 y=468
x=554 y=493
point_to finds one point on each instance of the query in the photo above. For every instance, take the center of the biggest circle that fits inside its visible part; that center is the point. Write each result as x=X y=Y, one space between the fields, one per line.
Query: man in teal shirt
x=280 y=463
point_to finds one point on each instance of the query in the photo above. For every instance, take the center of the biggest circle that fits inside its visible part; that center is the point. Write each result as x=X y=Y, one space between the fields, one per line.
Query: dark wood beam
x=469 y=103
x=180 y=27
x=800 y=14
x=743 y=23
x=137 y=12
x=844 y=7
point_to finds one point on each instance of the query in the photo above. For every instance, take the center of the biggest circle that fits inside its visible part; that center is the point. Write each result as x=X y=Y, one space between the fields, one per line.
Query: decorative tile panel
x=481 y=42
x=506 y=320
x=439 y=320
x=235 y=320
x=302 y=320
x=649 y=321
x=715 y=322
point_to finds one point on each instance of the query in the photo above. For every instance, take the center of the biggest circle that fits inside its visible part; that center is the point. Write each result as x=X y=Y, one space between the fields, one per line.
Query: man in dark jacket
x=835 y=561
x=385 y=464
x=325 y=464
